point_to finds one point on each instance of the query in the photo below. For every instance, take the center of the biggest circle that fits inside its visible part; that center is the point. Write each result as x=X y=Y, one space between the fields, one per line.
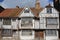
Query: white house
x=49 y=20
x=29 y=23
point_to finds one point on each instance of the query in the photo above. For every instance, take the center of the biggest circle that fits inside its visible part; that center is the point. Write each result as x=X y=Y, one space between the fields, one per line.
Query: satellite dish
x=1 y=0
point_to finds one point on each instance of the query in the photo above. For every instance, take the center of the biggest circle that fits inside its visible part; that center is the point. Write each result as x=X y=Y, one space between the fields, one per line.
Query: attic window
x=26 y=10
x=49 y=10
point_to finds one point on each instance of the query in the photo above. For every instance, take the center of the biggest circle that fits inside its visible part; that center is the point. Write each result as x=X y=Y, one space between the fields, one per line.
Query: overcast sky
x=22 y=3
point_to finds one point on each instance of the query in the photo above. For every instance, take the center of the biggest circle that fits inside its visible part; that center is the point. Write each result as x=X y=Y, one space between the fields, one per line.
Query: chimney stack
x=37 y=5
x=17 y=6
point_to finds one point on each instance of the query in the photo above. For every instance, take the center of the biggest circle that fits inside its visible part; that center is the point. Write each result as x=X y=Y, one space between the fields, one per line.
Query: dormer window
x=26 y=10
x=49 y=10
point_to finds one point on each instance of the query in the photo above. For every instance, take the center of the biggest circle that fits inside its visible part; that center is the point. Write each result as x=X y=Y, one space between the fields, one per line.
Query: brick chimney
x=17 y=7
x=37 y=5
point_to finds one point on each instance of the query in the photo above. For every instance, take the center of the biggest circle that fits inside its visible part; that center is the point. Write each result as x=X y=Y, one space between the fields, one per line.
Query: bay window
x=26 y=22
x=51 y=22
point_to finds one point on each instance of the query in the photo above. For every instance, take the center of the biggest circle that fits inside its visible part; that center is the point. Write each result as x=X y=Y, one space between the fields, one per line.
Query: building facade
x=29 y=23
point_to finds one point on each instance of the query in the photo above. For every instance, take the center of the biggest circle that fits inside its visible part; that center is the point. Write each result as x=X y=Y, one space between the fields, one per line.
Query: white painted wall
x=26 y=14
x=7 y=26
x=15 y=24
x=43 y=14
x=30 y=14
x=42 y=23
x=36 y=24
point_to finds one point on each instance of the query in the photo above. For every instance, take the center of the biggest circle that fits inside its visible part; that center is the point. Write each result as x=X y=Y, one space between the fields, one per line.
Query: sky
x=22 y=3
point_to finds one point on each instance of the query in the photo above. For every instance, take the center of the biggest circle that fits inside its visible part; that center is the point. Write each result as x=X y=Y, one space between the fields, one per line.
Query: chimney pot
x=17 y=6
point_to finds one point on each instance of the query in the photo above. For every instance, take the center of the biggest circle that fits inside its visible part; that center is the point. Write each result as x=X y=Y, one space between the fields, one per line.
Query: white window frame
x=28 y=35
x=4 y=34
x=52 y=24
x=26 y=10
x=7 y=24
x=49 y=10
x=27 y=25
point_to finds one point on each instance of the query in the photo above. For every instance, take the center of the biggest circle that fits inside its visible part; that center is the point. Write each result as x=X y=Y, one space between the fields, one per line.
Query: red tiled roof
x=11 y=12
x=14 y=12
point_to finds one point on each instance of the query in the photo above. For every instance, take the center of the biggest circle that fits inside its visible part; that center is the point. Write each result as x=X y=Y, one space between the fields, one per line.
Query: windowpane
x=26 y=32
x=26 y=10
x=51 y=33
x=52 y=21
x=26 y=22
x=49 y=10
x=6 y=32
x=6 y=21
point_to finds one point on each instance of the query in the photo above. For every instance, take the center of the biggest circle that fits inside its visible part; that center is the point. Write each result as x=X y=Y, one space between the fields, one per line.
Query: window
x=6 y=21
x=26 y=33
x=26 y=22
x=26 y=10
x=6 y=32
x=52 y=22
x=49 y=10
x=51 y=32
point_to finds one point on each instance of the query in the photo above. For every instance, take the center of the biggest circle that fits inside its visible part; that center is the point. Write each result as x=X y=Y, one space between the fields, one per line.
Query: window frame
x=30 y=21
x=49 y=10
x=6 y=21
x=50 y=32
x=26 y=10
x=5 y=34
x=50 y=23
x=27 y=32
